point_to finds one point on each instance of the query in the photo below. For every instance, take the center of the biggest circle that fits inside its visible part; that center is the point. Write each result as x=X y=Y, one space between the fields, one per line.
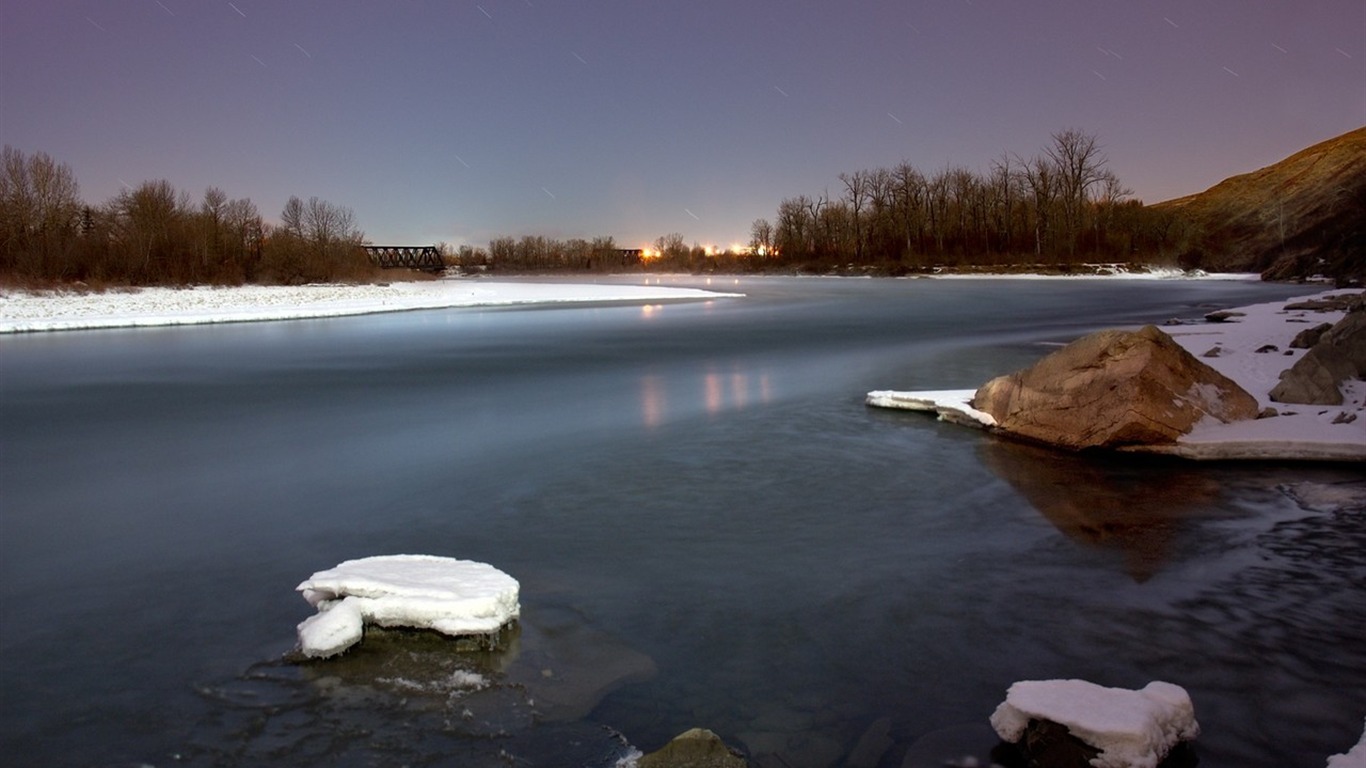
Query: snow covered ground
x=22 y=311
x=1298 y=432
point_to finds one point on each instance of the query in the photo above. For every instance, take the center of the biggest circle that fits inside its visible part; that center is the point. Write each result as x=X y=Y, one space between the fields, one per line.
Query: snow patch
x=454 y=597
x=1132 y=729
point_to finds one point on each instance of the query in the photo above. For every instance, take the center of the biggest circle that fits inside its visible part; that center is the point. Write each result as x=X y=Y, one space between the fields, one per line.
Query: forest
x=154 y=234
x=1058 y=208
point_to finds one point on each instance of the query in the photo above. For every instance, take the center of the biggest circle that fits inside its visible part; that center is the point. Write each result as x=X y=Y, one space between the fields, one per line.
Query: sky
x=455 y=121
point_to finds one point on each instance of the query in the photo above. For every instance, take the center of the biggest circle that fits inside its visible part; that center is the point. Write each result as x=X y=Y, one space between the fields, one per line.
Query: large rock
x=1113 y=389
x=1340 y=354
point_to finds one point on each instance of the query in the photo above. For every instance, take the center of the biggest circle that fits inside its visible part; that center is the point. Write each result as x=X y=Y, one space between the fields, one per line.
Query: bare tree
x=856 y=195
x=1077 y=163
x=40 y=212
x=910 y=195
x=761 y=237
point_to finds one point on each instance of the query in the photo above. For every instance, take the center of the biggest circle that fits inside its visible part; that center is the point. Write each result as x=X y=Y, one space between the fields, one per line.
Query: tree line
x=1061 y=206
x=154 y=234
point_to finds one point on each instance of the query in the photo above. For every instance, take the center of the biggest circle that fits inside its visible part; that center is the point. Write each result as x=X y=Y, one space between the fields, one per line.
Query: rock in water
x=454 y=597
x=1092 y=725
x=1113 y=389
x=697 y=748
x=1337 y=355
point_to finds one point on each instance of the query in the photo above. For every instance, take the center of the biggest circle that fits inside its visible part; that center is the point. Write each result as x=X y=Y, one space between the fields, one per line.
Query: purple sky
x=460 y=121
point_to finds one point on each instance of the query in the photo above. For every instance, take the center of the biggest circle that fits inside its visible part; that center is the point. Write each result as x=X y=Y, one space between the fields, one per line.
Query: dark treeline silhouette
x=1056 y=209
x=153 y=234
x=535 y=253
x=1060 y=207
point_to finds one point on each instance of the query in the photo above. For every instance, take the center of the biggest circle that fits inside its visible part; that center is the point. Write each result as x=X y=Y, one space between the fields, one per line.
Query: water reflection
x=1117 y=503
x=716 y=392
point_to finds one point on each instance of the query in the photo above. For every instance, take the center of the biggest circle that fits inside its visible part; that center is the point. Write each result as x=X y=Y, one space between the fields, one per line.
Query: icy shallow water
x=709 y=526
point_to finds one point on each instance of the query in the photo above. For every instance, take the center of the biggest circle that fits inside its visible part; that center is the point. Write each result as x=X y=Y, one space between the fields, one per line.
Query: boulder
x=1113 y=389
x=1339 y=354
x=697 y=748
x=1308 y=337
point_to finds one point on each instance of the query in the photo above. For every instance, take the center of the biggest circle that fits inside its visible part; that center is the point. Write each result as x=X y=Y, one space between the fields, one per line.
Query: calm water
x=709 y=526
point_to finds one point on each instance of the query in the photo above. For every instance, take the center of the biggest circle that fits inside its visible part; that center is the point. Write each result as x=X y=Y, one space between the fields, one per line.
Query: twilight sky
x=463 y=120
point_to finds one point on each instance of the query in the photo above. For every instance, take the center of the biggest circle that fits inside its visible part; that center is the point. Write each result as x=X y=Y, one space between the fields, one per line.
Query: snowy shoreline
x=1252 y=348
x=26 y=311
x=23 y=311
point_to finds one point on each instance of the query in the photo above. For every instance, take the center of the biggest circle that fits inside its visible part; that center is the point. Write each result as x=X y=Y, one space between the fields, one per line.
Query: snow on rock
x=1353 y=758
x=454 y=597
x=1231 y=347
x=1132 y=729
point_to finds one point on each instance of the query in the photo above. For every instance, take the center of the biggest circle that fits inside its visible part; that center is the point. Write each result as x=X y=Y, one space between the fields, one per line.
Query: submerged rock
x=1113 y=389
x=697 y=748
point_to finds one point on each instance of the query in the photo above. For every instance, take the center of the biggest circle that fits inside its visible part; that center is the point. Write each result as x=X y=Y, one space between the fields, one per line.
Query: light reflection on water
x=709 y=526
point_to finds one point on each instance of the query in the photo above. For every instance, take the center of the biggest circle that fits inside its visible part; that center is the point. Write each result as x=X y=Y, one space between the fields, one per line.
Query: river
x=709 y=526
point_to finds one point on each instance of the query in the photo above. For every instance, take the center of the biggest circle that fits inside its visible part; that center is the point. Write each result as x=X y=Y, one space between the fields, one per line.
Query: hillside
x=1301 y=216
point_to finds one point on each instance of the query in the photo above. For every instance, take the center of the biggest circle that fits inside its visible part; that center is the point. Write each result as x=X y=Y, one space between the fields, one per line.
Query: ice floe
x=1131 y=729
x=453 y=597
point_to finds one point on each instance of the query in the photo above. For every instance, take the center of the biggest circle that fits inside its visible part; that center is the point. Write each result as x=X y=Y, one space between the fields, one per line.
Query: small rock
x=872 y=746
x=1213 y=351
x=1224 y=315
x=1310 y=336
x=697 y=748
x=1265 y=348
x=1344 y=418
x=1268 y=413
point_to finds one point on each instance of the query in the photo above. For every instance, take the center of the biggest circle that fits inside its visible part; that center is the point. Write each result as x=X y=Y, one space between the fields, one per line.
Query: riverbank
x=1250 y=345
x=32 y=311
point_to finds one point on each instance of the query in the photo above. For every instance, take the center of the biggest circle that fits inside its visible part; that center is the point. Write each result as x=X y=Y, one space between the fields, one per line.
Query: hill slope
x=1303 y=215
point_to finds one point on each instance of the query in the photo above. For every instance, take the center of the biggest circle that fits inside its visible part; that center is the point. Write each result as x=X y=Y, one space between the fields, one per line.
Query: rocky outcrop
x=1113 y=389
x=1295 y=218
x=697 y=748
x=1339 y=354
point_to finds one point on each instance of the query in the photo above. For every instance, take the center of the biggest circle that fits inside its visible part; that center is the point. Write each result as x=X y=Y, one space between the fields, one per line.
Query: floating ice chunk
x=454 y=597
x=953 y=405
x=331 y=631
x=1132 y=729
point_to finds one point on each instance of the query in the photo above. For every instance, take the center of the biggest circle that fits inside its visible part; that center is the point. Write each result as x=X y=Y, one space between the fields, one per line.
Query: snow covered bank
x=1096 y=271
x=1132 y=729
x=453 y=597
x=22 y=311
x=1251 y=347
